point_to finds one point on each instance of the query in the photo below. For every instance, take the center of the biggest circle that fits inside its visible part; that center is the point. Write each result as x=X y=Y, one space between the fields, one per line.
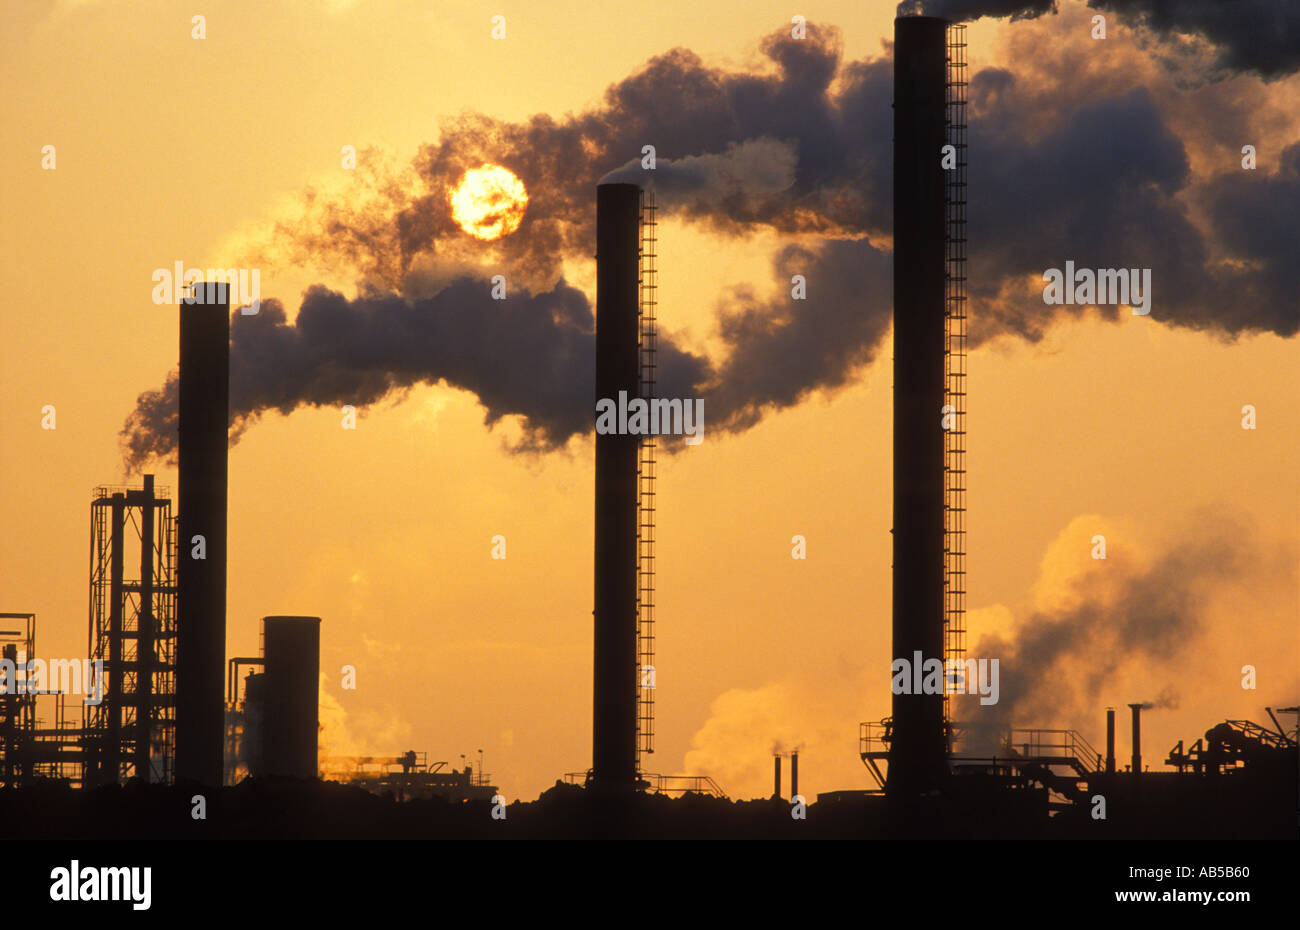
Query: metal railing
x=1014 y=745
x=1047 y=745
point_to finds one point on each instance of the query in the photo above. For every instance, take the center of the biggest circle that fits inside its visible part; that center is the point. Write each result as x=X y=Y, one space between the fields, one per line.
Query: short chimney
x=1137 y=738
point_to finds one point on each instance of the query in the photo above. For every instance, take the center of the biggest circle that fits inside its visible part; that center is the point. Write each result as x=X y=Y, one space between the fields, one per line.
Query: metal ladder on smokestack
x=645 y=487
x=954 y=365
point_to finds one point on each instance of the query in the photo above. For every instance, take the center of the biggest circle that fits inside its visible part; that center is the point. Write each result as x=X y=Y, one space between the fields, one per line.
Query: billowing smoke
x=151 y=429
x=747 y=726
x=1106 y=184
x=781 y=350
x=802 y=149
x=1260 y=36
x=806 y=150
x=736 y=149
x=1258 y=219
x=1167 y=699
x=1121 y=616
x=754 y=168
x=962 y=10
x=531 y=355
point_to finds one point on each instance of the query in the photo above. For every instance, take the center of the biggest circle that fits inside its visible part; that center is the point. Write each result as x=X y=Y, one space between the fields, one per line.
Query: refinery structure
x=174 y=709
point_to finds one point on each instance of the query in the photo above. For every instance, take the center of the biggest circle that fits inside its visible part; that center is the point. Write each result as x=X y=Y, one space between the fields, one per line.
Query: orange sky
x=174 y=149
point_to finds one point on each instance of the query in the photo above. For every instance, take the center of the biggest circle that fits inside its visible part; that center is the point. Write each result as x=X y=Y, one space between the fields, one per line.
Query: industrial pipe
x=1137 y=738
x=1110 y=739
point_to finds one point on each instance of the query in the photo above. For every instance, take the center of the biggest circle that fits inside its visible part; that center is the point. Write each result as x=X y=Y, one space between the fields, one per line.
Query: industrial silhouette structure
x=618 y=369
x=202 y=465
x=927 y=474
x=411 y=777
x=272 y=729
x=160 y=637
x=133 y=632
x=624 y=564
x=153 y=708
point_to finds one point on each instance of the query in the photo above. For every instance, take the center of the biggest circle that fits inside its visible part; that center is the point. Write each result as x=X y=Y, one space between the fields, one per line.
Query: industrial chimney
x=614 y=721
x=1110 y=740
x=201 y=581
x=917 y=751
x=1136 y=761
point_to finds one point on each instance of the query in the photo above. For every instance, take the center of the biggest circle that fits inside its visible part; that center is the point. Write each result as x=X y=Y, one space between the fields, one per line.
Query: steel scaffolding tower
x=647 y=344
x=954 y=444
x=131 y=731
x=17 y=703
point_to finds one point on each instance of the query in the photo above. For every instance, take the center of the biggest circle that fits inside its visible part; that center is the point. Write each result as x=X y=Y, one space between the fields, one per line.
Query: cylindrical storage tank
x=290 y=696
x=250 y=746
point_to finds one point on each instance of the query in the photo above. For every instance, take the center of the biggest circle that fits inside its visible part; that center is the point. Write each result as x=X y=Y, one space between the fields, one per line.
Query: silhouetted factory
x=924 y=748
x=159 y=632
x=274 y=729
x=158 y=641
x=928 y=753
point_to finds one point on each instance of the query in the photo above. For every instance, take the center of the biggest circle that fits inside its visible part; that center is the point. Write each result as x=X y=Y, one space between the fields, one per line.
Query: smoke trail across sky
x=1145 y=610
x=531 y=355
x=800 y=147
x=1261 y=36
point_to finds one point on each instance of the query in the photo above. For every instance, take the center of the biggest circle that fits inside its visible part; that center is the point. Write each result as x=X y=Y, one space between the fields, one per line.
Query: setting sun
x=489 y=202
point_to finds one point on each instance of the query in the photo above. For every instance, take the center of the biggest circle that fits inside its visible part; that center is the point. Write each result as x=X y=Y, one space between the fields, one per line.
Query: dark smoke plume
x=781 y=350
x=1102 y=187
x=1260 y=36
x=963 y=10
x=1167 y=699
x=1100 y=181
x=533 y=355
x=803 y=149
x=736 y=150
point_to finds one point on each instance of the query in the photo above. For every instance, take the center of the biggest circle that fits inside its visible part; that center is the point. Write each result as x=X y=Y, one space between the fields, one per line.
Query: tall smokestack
x=201 y=595
x=1137 y=738
x=794 y=774
x=1110 y=739
x=776 y=776
x=613 y=753
x=917 y=751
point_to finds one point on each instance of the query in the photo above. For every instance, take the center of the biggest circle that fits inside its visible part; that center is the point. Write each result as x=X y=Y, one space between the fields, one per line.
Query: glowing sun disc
x=489 y=202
